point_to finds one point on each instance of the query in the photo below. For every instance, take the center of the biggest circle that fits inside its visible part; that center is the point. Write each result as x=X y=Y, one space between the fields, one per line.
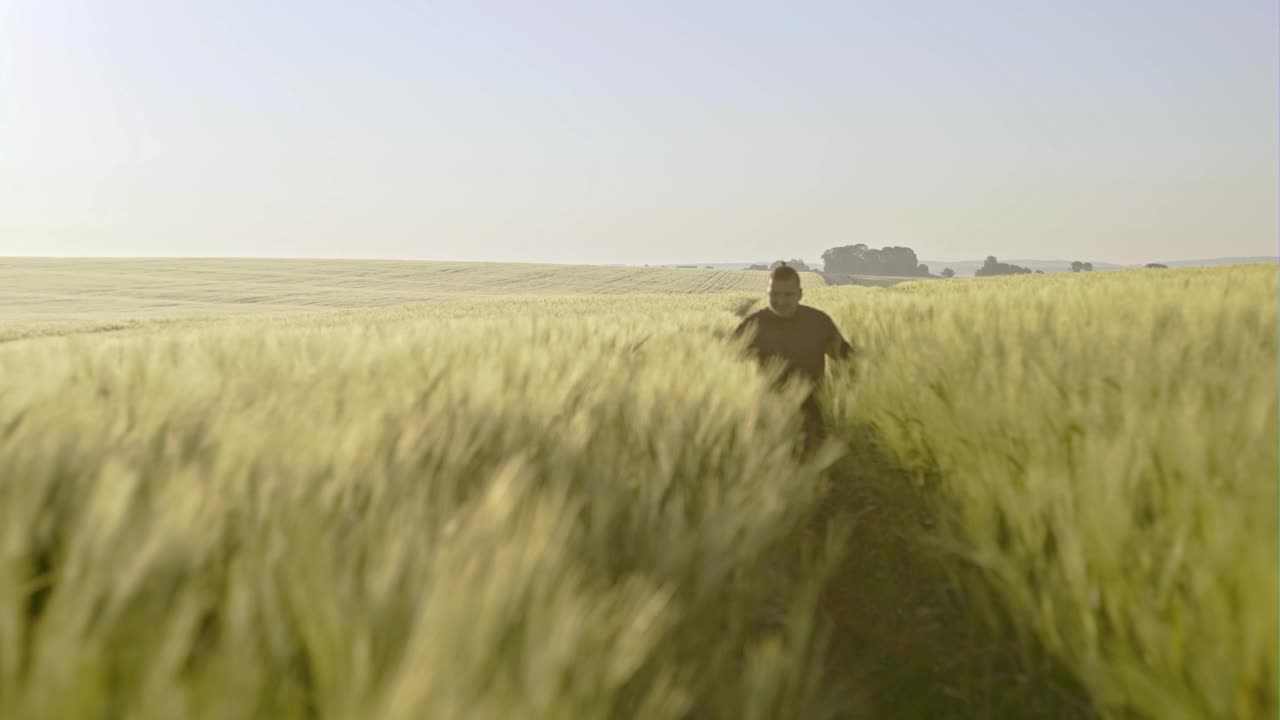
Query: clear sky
x=639 y=132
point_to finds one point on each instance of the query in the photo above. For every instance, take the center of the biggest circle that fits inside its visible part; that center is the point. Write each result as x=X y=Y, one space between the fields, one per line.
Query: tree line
x=900 y=261
x=862 y=260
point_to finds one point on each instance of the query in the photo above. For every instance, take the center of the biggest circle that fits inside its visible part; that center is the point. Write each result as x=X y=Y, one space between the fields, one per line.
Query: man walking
x=801 y=337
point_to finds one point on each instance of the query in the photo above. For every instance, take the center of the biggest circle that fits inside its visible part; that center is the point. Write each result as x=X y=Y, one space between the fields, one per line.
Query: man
x=799 y=336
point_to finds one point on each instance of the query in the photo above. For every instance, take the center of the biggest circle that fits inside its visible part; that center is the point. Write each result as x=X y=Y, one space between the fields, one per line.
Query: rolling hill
x=967 y=267
x=35 y=290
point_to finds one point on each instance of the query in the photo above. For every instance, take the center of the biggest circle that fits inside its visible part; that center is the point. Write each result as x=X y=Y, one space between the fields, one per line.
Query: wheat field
x=52 y=296
x=1103 y=448
x=52 y=289
x=572 y=504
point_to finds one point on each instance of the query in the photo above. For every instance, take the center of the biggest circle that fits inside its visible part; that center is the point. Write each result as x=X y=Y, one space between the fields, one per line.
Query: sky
x=640 y=133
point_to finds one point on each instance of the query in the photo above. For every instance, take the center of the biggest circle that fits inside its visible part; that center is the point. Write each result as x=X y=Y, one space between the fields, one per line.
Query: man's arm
x=839 y=348
x=842 y=354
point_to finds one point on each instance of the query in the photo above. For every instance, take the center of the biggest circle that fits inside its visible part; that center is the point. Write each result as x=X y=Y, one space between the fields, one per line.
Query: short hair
x=784 y=273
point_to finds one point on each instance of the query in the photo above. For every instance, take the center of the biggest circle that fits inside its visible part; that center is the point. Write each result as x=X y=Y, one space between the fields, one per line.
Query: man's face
x=784 y=297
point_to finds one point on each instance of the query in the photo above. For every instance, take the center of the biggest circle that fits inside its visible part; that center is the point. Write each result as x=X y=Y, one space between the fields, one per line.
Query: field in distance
x=42 y=290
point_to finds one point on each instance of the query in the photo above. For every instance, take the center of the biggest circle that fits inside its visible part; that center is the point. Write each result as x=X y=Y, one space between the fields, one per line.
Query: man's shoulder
x=751 y=321
x=763 y=316
x=815 y=315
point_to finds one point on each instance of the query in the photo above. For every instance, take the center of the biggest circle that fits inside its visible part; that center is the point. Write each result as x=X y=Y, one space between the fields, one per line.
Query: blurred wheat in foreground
x=1104 y=450
x=586 y=507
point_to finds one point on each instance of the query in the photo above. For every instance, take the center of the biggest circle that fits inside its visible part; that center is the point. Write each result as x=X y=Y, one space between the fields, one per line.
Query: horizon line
x=700 y=264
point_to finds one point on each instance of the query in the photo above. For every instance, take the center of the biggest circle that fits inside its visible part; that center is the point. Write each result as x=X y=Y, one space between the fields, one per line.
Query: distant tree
x=1157 y=266
x=995 y=267
x=1088 y=267
x=1077 y=266
x=862 y=260
x=799 y=265
x=1039 y=272
x=845 y=259
x=759 y=267
x=948 y=273
x=922 y=270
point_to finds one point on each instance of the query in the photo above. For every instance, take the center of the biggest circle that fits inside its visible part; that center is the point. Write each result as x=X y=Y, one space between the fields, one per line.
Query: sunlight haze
x=638 y=133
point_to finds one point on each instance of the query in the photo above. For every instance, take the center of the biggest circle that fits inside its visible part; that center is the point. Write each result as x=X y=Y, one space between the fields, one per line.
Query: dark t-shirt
x=801 y=341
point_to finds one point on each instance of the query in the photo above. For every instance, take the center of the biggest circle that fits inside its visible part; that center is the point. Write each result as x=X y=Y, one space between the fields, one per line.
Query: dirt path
x=903 y=633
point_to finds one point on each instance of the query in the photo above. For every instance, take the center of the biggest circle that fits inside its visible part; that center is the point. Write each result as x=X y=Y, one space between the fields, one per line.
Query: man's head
x=784 y=290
